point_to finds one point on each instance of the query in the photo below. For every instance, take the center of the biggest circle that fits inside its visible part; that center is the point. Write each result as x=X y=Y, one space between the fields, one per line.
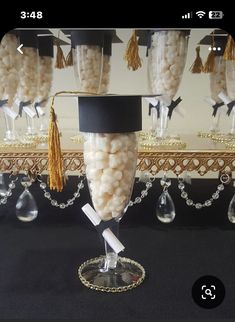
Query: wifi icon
x=200 y=14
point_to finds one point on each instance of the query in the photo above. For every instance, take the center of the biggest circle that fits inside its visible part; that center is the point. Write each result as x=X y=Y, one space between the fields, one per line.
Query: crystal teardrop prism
x=26 y=207
x=165 y=209
x=3 y=188
x=231 y=210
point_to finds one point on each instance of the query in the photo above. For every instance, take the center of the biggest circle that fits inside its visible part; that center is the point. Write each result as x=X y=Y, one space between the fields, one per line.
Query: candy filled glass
x=230 y=83
x=110 y=160
x=217 y=85
x=166 y=61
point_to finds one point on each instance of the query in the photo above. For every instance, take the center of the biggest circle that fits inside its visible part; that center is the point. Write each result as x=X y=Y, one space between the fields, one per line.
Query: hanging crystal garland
x=54 y=202
x=144 y=177
x=224 y=179
x=3 y=188
x=8 y=192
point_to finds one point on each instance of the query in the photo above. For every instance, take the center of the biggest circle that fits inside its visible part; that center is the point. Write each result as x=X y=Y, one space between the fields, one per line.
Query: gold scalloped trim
x=110 y=289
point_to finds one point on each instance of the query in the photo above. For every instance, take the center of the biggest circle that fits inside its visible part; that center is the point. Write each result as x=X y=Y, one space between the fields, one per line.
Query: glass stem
x=163 y=121
x=111 y=257
x=30 y=125
x=8 y=132
x=154 y=120
x=13 y=129
x=215 y=122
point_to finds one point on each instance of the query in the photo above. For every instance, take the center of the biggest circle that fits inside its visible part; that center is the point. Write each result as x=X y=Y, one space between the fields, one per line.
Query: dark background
x=39 y=260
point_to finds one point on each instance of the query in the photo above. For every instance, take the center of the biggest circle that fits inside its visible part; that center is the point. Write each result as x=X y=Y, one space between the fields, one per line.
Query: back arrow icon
x=19 y=49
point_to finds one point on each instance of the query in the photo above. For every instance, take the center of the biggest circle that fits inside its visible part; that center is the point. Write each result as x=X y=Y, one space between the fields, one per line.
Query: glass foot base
x=127 y=275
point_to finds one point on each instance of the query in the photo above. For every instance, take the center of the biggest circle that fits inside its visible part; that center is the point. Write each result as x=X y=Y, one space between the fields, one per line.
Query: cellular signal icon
x=188 y=15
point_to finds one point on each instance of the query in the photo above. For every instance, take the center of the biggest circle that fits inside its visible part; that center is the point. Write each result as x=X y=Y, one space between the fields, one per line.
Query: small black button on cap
x=208 y=292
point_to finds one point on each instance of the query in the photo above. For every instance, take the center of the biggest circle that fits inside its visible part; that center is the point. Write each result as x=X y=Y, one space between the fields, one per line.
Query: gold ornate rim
x=154 y=161
x=110 y=289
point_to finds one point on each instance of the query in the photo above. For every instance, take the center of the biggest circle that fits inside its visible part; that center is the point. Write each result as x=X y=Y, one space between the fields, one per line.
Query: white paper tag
x=91 y=214
x=112 y=240
x=17 y=102
x=41 y=112
x=152 y=100
x=224 y=98
x=108 y=235
x=31 y=113
x=12 y=114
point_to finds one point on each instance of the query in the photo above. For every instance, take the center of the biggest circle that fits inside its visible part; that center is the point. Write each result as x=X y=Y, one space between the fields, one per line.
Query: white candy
x=217 y=79
x=166 y=61
x=45 y=70
x=89 y=60
x=110 y=173
x=9 y=66
x=230 y=78
x=104 y=87
x=28 y=74
x=101 y=155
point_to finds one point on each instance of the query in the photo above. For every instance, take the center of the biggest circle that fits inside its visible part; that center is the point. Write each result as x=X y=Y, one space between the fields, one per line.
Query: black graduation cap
x=45 y=46
x=110 y=37
x=28 y=38
x=220 y=32
x=219 y=42
x=88 y=37
x=110 y=113
x=26 y=34
x=144 y=35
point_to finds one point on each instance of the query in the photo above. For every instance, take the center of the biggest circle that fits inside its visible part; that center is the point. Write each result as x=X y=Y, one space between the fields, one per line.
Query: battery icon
x=216 y=14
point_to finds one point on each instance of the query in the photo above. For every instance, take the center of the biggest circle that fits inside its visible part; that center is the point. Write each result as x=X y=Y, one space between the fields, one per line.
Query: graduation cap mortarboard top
x=97 y=114
x=109 y=37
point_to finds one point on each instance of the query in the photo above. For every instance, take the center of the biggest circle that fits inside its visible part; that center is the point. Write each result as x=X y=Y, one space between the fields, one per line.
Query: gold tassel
x=229 y=53
x=209 y=66
x=69 y=58
x=197 y=66
x=60 y=60
x=55 y=161
x=132 y=53
x=56 y=177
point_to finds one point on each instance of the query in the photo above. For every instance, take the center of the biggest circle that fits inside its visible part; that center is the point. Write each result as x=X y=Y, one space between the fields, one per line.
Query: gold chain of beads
x=17 y=145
